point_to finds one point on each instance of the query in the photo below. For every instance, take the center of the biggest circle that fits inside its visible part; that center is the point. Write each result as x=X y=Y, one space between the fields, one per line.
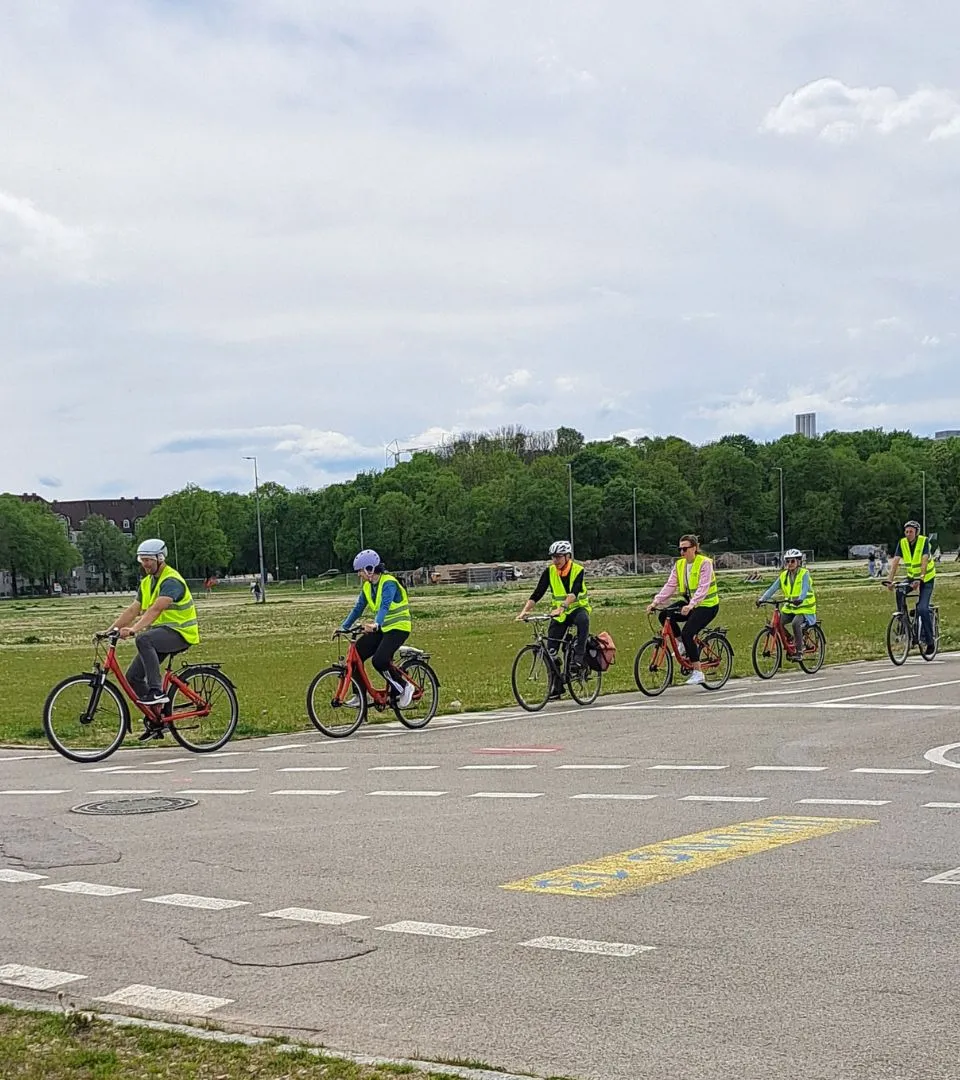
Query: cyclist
x=914 y=552
x=163 y=618
x=693 y=578
x=384 y=599
x=800 y=602
x=571 y=607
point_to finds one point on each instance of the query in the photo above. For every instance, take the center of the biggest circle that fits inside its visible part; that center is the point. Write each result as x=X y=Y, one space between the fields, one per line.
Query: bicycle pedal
x=150 y=733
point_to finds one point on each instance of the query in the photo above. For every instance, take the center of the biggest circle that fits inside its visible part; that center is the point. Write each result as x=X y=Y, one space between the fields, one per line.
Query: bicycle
x=537 y=672
x=90 y=725
x=903 y=630
x=774 y=641
x=339 y=697
x=654 y=664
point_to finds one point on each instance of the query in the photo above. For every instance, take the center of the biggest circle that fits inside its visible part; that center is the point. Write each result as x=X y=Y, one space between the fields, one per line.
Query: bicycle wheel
x=83 y=720
x=898 y=639
x=328 y=713
x=214 y=727
x=585 y=686
x=531 y=678
x=767 y=653
x=929 y=652
x=716 y=659
x=653 y=668
x=814 y=649
x=423 y=708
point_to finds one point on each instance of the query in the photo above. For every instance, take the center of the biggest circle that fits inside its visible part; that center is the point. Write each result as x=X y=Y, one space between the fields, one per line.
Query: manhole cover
x=113 y=807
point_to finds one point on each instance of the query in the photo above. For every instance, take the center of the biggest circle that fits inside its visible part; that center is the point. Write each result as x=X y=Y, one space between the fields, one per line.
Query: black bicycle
x=539 y=674
x=903 y=630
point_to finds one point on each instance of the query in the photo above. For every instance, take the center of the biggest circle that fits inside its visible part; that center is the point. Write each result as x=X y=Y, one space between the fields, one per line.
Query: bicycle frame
x=786 y=640
x=354 y=668
x=910 y=614
x=668 y=639
x=541 y=637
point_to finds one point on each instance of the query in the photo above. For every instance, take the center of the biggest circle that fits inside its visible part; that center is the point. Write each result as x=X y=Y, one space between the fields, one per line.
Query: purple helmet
x=368 y=560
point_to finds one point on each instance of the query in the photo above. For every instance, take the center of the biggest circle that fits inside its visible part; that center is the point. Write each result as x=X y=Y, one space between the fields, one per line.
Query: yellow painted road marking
x=628 y=871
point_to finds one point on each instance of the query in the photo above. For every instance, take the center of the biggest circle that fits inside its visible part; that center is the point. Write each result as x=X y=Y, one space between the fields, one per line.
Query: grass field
x=271 y=651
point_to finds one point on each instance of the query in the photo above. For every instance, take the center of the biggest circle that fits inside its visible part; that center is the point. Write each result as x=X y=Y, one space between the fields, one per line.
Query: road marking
x=787 y=768
x=206 y=903
x=314 y=768
x=148 y=772
x=16 y=876
x=415 y=794
x=519 y=750
x=286 y=746
x=123 y=791
x=25 y=757
x=897 y=690
x=169 y=761
x=948 y=877
x=489 y=768
x=37 y=791
x=215 y=791
x=311 y=915
x=825 y=689
x=587 y=767
x=597 y=948
x=174 y=1001
x=943 y=805
x=628 y=871
x=402 y=768
x=305 y=791
x=33 y=978
x=895 y=772
x=691 y=768
x=426 y=929
x=88 y=888
x=723 y=798
x=506 y=795
x=617 y=796
x=937 y=756
x=117 y=768
x=227 y=770
x=844 y=802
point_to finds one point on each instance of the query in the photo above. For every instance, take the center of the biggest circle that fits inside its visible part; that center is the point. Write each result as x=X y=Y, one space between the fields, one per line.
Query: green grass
x=78 y=1046
x=272 y=651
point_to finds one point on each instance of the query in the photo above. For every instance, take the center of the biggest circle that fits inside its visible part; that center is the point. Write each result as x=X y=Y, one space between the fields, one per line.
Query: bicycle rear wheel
x=814 y=649
x=531 y=678
x=898 y=639
x=767 y=653
x=219 y=714
x=331 y=712
x=716 y=660
x=83 y=720
x=585 y=686
x=423 y=708
x=653 y=668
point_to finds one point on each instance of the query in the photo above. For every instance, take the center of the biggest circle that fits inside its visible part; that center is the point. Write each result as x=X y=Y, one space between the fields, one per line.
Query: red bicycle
x=653 y=667
x=774 y=642
x=340 y=696
x=86 y=717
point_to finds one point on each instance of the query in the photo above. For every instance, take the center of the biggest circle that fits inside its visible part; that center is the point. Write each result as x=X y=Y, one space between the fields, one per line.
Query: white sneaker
x=407 y=696
x=353 y=703
x=696 y=679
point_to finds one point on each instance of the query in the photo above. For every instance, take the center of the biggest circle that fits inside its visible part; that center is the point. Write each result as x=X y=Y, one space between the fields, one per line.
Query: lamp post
x=176 y=552
x=362 y=508
x=780 y=471
x=636 y=567
x=256 y=488
x=923 y=515
x=276 y=552
x=570 y=497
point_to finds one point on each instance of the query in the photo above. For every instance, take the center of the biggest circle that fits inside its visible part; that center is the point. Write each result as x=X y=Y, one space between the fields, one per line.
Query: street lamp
x=256 y=488
x=636 y=567
x=923 y=516
x=362 y=508
x=570 y=496
x=780 y=471
x=176 y=554
x=276 y=552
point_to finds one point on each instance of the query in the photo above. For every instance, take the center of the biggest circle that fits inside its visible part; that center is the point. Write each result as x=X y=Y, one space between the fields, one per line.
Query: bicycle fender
x=201 y=669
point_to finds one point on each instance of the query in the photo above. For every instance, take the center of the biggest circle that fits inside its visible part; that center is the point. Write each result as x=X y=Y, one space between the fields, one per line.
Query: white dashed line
x=124 y=791
x=895 y=772
x=174 y=1001
x=589 y=767
x=624 y=797
x=215 y=791
x=414 y=794
x=170 y=761
x=948 y=877
x=402 y=768
x=460 y=933
x=227 y=770
x=87 y=888
x=37 y=791
x=148 y=772
x=691 y=768
x=506 y=795
x=787 y=768
x=33 y=978
x=723 y=798
x=311 y=915
x=597 y=948
x=306 y=791
x=15 y=877
x=314 y=768
x=286 y=746
x=844 y=802
x=206 y=903
x=495 y=768
x=931 y=805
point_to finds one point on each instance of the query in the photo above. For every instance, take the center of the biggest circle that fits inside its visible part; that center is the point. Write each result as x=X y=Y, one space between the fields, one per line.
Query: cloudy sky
x=305 y=229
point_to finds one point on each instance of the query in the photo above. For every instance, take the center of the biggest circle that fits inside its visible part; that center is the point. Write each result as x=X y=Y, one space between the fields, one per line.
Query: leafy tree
x=106 y=549
x=189 y=522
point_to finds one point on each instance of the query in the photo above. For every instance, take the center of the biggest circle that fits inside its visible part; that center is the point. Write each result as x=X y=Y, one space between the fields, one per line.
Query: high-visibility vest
x=181 y=617
x=398 y=613
x=792 y=589
x=688 y=578
x=912 y=559
x=559 y=591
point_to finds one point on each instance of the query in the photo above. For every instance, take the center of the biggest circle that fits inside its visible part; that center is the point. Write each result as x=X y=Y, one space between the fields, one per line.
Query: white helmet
x=561 y=547
x=793 y=553
x=157 y=549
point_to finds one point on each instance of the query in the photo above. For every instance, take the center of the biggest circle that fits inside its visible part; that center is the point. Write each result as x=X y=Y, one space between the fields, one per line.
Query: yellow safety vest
x=912 y=559
x=792 y=590
x=181 y=617
x=398 y=614
x=688 y=579
x=559 y=592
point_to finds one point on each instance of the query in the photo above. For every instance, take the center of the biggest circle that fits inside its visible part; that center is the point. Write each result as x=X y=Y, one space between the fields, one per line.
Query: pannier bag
x=601 y=651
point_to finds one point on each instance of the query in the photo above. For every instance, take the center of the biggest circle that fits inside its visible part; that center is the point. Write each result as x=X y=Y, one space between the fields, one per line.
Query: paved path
x=706 y=886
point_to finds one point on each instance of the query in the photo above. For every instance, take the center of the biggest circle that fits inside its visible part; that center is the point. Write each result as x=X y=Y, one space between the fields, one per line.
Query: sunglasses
x=687 y=548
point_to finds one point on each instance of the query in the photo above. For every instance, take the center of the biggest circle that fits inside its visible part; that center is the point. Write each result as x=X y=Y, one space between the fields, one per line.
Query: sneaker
x=404 y=700
x=353 y=702
x=556 y=693
x=696 y=679
x=150 y=731
x=153 y=697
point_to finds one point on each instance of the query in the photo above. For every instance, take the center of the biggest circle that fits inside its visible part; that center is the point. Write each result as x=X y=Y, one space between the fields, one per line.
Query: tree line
x=501 y=496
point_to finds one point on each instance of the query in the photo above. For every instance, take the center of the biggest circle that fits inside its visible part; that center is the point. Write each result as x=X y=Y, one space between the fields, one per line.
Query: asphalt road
x=351 y=892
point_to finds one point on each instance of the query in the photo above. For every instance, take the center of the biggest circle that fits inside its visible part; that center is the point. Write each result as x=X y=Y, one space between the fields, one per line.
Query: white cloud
x=40 y=237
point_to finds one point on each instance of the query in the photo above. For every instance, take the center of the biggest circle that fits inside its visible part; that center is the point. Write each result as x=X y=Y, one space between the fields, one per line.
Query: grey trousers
x=153 y=647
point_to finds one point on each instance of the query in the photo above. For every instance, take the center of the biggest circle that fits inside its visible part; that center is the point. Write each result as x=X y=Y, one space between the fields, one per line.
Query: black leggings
x=579 y=620
x=692 y=625
x=381 y=646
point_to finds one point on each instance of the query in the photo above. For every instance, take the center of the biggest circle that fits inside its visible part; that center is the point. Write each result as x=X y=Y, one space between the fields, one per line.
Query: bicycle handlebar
x=113 y=636
x=538 y=618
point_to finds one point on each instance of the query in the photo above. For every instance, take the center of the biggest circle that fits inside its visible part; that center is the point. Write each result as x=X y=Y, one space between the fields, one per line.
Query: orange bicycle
x=773 y=643
x=654 y=665
x=86 y=717
x=339 y=697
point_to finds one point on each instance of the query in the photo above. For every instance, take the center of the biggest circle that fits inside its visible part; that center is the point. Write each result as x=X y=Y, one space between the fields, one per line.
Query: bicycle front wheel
x=336 y=710
x=83 y=720
x=426 y=698
x=767 y=653
x=814 y=649
x=653 y=668
x=217 y=710
x=531 y=678
x=585 y=686
x=898 y=639
x=716 y=661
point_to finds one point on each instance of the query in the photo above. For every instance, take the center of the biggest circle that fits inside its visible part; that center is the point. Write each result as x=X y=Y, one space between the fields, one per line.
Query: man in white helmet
x=163 y=618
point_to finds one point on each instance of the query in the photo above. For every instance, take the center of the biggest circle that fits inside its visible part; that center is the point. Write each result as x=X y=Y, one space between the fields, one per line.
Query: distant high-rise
x=950 y=433
x=807 y=424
